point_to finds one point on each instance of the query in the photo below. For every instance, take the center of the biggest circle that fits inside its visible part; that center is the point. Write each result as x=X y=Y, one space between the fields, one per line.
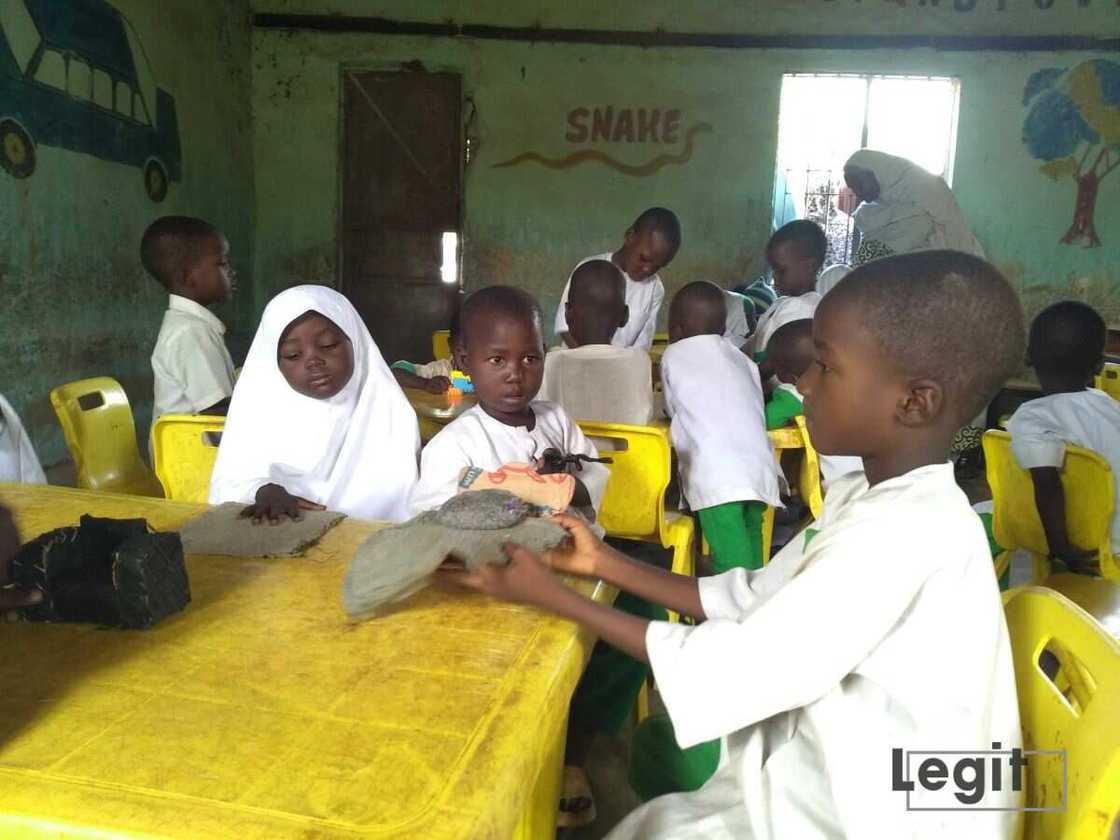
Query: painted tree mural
x=1073 y=125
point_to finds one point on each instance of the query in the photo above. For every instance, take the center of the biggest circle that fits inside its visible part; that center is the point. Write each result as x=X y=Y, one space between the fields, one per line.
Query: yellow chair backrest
x=184 y=448
x=660 y=338
x=1109 y=380
x=809 y=480
x=634 y=503
x=97 y=424
x=1074 y=709
x=441 y=345
x=1090 y=493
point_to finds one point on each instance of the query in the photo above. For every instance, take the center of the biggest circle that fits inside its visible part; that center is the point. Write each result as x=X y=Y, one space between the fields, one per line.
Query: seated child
x=192 y=367
x=18 y=462
x=648 y=246
x=593 y=380
x=317 y=420
x=433 y=377
x=908 y=646
x=1066 y=349
x=796 y=252
x=791 y=353
x=714 y=398
x=502 y=350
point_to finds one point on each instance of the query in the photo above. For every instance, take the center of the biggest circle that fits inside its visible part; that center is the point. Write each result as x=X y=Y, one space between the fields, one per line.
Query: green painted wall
x=76 y=300
x=527 y=225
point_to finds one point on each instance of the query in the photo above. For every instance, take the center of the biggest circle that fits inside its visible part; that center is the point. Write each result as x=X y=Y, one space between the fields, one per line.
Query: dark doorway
x=401 y=193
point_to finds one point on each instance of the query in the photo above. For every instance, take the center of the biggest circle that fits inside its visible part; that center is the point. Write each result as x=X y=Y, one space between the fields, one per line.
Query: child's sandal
x=577 y=805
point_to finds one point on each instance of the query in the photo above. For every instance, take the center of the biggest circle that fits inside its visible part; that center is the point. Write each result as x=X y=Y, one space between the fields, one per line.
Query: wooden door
x=401 y=191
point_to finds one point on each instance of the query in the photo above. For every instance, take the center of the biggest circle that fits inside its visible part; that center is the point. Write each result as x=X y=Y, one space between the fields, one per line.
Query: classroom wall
x=76 y=300
x=527 y=224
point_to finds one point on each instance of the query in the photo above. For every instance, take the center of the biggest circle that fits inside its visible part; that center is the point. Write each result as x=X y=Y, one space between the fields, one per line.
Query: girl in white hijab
x=18 y=461
x=904 y=207
x=316 y=419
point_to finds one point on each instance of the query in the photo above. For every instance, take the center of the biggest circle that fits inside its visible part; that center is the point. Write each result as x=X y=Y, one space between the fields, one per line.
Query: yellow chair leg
x=641 y=708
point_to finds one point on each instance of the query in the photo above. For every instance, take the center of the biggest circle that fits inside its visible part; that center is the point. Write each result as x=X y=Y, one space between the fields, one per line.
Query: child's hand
x=274 y=502
x=1079 y=560
x=437 y=385
x=526 y=579
x=584 y=554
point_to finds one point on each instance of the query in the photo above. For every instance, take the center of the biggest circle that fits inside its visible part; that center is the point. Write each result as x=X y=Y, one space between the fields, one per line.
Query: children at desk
x=317 y=419
x=433 y=377
x=501 y=348
x=1066 y=349
x=592 y=379
x=906 y=647
x=791 y=354
x=647 y=247
x=714 y=399
x=191 y=364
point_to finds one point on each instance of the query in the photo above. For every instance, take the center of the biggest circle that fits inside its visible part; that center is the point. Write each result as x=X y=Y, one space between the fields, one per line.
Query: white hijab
x=355 y=452
x=914 y=211
x=18 y=461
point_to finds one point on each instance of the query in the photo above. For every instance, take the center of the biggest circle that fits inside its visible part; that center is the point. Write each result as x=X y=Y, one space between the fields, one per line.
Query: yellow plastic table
x=261 y=711
x=434 y=411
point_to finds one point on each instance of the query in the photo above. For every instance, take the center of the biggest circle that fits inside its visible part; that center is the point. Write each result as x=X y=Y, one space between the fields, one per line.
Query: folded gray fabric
x=398 y=561
x=223 y=530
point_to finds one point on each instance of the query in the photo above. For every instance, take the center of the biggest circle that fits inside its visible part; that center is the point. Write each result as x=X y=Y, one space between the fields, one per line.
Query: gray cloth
x=473 y=526
x=223 y=530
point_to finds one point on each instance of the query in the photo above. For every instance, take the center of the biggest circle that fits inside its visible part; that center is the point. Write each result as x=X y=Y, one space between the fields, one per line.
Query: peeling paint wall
x=77 y=301
x=528 y=224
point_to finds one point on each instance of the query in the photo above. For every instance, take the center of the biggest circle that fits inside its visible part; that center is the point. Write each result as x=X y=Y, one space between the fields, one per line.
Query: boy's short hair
x=942 y=314
x=662 y=221
x=702 y=306
x=807 y=237
x=1068 y=338
x=791 y=346
x=171 y=244
x=494 y=302
x=599 y=281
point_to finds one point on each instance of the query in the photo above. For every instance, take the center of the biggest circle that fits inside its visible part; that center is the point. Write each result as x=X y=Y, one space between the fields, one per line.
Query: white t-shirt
x=643 y=299
x=18 y=462
x=738 y=327
x=857 y=639
x=714 y=400
x=475 y=439
x=1041 y=428
x=781 y=312
x=192 y=367
x=600 y=382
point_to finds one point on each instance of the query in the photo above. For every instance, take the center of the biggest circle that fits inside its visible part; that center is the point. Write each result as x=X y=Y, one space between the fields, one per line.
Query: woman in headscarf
x=904 y=208
x=316 y=419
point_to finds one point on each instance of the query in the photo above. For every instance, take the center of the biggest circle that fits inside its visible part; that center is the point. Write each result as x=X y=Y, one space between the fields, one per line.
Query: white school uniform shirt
x=191 y=364
x=832 y=466
x=738 y=328
x=643 y=298
x=781 y=312
x=885 y=631
x=475 y=439
x=355 y=452
x=600 y=382
x=1041 y=428
x=18 y=462
x=714 y=399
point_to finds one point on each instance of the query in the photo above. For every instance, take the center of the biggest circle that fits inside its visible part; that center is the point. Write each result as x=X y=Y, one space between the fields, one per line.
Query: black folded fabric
x=114 y=572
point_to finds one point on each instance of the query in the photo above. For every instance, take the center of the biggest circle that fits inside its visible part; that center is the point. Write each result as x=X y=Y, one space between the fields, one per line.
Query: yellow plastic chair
x=1073 y=709
x=1090 y=494
x=97 y=424
x=1109 y=380
x=634 y=503
x=441 y=344
x=184 y=448
x=809 y=480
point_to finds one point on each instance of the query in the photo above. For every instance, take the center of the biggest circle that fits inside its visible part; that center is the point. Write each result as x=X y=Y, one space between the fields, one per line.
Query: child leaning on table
x=433 y=377
x=907 y=647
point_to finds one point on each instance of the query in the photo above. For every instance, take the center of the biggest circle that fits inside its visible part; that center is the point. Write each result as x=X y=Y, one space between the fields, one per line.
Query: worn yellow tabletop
x=262 y=712
x=438 y=407
x=1098 y=597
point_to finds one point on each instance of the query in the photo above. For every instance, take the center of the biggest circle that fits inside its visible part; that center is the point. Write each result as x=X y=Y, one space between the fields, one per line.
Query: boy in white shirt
x=433 y=377
x=192 y=366
x=880 y=631
x=796 y=252
x=648 y=246
x=502 y=350
x=594 y=380
x=1066 y=349
x=791 y=353
x=714 y=398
